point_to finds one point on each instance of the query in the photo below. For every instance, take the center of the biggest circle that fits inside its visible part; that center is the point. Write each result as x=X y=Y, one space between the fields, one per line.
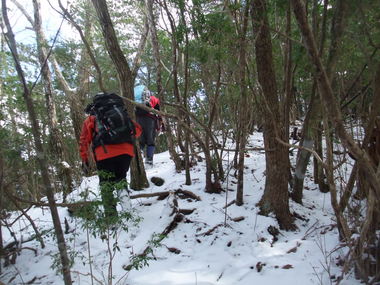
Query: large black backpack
x=112 y=121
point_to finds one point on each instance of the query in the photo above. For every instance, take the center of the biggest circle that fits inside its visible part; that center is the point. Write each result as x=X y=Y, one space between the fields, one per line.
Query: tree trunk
x=170 y=129
x=288 y=81
x=329 y=100
x=275 y=198
x=213 y=99
x=155 y=45
x=2 y=210
x=303 y=155
x=76 y=106
x=157 y=62
x=312 y=128
x=185 y=98
x=243 y=110
x=40 y=153
x=84 y=37
x=138 y=175
x=56 y=140
x=75 y=98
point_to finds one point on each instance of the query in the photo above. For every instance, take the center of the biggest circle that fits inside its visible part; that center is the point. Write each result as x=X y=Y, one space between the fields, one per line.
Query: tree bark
x=171 y=141
x=311 y=128
x=243 y=106
x=126 y=81
x=76 y=106
x=275 y=198
x=288 y=81
x=40 y=153
x=155 y=44
x=2 y=210
x=185 y=97
x=329 y=100
x=56 y=140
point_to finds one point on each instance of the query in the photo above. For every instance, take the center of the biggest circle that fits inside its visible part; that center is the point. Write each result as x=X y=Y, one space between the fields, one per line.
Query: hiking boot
x=149 y=161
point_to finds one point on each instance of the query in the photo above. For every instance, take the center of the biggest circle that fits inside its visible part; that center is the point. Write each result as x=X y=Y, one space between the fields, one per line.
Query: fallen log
x=188 y=194
x=148 y=195
x=238 y=219
x=186 y=211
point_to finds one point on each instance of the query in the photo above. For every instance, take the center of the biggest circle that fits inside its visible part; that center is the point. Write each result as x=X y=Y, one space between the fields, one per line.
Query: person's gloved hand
x=86 y=168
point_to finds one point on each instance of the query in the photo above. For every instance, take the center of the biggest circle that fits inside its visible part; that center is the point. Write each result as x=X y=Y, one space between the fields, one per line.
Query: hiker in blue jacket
x=150 y=123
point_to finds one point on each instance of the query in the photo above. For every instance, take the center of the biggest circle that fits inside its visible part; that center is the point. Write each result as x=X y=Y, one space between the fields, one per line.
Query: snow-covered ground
x=210 y=247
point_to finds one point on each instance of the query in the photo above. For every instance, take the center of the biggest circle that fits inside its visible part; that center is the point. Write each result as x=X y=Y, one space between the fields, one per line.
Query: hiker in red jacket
x=112 y=159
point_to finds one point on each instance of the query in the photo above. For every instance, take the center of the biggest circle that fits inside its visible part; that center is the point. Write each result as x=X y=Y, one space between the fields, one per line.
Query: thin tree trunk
x=176 y=91
x=2 y=210
x=40 y=153
x=303 y=155
x=311 y=122
x=213 y=113
x=76 y=108
x=329 y=100
x=185 y=98
x=75 y=98
x=158 y=69
x=337 y=28
x=243 y=110
x=206 y=78
x=85 y=42
x=56 y=136
x=155 y=44
x=344 y=232
x=138 y=175
x=286 y=107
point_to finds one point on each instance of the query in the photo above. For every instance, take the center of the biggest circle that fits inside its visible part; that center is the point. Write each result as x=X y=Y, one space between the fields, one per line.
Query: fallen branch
x=186 y=211
x=148 y=195
x=15 y=202
x=75 y=205
x=238 y=219
x=173 y=250
x=163 y=195
x=86 y=274
x=178 y=217
x=173 y=224
x=229 y=204
x=187 y=193
x=209 y=232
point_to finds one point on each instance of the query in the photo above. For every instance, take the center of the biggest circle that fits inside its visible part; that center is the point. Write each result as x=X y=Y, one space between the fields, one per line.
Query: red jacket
x=87 y=135
x=154 y=103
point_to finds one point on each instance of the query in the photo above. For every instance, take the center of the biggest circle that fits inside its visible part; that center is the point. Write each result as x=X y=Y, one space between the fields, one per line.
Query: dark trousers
x=112 y=176
x=148 y=135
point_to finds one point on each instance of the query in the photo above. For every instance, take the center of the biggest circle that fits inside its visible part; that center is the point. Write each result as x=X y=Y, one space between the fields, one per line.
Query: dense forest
x=305 y=73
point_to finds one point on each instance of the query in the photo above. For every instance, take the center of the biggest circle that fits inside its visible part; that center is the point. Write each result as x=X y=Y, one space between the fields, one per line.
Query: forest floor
x=212 y=244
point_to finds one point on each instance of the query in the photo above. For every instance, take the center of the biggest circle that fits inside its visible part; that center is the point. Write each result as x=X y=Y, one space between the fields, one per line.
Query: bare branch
x=69 y=17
